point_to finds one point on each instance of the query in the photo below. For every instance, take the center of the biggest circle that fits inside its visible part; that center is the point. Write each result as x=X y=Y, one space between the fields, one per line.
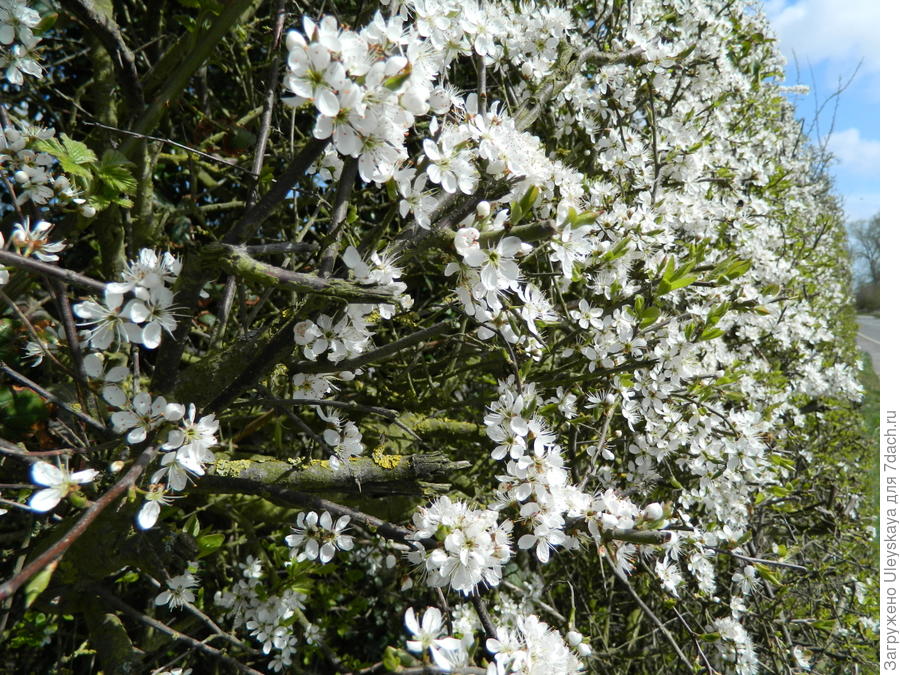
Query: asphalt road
x=869 y=338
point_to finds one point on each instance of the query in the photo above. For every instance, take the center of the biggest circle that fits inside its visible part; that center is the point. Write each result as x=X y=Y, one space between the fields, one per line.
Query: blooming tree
x=422 y=336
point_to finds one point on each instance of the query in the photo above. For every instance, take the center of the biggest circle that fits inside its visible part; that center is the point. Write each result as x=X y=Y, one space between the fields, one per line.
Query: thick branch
x=177 y=80
x=374 y=476
x=237 y=261
x=194 y=276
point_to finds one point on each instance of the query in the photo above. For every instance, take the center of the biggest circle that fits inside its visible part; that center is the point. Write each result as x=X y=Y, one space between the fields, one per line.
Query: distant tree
x=865 y=245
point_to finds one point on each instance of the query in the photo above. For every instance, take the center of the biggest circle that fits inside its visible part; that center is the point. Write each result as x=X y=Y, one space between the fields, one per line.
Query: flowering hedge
x=422 y=337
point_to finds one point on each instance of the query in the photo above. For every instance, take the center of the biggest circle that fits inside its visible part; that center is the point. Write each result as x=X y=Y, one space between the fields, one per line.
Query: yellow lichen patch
x=386 y=461
x=231 y=468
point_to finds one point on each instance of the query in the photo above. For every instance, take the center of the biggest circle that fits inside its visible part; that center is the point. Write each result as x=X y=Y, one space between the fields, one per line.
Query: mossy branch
x=380 y=475
x=235 y=260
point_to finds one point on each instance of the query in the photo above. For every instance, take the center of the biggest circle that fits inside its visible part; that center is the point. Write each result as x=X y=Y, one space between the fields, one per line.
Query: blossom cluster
x=144 y=317
x=527 y=647
x=268 y=618
x=473 y=545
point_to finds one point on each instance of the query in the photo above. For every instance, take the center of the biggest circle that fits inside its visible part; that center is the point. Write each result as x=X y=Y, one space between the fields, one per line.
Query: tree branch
x=128 y=610
x=236 y=261
x=374 y=476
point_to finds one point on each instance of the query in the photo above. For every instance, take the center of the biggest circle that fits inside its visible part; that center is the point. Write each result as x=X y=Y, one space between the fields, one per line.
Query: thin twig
x=537 y=601
x=43 y=393
x=32 y=265
x=338 y=215
x=169 y=141
x=761 y=561
x=286 y=409
x=71 y=332
x=110 y=36
x=32 y=330
x=481 y=65
x=265 y=125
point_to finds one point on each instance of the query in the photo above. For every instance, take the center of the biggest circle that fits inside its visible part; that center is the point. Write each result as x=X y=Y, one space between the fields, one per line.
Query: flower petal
x=44 y=473
x=44 y=500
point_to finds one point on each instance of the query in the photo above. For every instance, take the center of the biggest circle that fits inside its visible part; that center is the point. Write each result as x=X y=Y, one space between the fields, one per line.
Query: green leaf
x=710 y=334
x=649 y=316
x=39 y=583
x=192 y=526
x=19 y=411
x=515 y=213
x=681 y=282
x=78 y=151
x=113 y=171
x=529 y=198
x=209 y=543
x=72 y=155
x=716 y=314
x=395 y=82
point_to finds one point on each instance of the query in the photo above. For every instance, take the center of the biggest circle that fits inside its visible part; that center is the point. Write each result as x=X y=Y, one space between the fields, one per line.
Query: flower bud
x=21 y=176
x=483 y=209
x=653 y=511
x=88 y=211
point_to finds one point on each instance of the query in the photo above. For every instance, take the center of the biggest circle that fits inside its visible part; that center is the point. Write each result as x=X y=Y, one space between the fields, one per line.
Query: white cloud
x=837 y=31
x=856 y=155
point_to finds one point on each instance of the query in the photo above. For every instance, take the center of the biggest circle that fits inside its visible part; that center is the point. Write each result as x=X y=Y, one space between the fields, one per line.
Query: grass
x=871 y=413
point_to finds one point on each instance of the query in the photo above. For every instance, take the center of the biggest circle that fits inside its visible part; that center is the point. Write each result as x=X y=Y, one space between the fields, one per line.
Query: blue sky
x=824 y=41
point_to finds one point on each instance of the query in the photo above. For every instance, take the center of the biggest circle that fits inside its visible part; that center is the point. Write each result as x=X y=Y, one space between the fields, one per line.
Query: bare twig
x=43 y=393
x=483 y=615
x=338 y=215
x=71 y=332
x=107 y=31
x=760 y=561
x=169 y=141
x=52 y=271
x=265 y=124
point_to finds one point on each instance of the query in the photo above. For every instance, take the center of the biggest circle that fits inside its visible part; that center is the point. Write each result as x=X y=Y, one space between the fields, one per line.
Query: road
x=869 y=338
